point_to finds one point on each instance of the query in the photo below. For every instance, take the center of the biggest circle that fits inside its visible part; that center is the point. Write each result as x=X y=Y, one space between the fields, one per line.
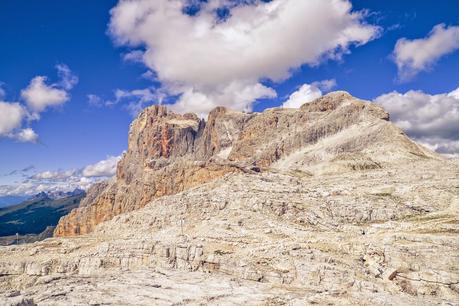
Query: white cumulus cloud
x=27 y=135
x=306 y=93
x=203 y=58
x=11 y=119
x=104 y=168
x=414 y=56
x=237 y=95
x=39 y=95
x=11 y=116
x=430 y=119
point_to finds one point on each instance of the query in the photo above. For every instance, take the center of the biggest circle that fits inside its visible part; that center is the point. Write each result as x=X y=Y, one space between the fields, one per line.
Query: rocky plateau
x=329 y=204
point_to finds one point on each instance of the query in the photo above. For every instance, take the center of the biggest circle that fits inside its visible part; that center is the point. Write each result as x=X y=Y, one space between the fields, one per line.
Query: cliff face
x=169 y=153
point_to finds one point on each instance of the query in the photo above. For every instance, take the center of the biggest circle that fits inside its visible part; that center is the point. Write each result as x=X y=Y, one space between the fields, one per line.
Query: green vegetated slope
x=33 y=216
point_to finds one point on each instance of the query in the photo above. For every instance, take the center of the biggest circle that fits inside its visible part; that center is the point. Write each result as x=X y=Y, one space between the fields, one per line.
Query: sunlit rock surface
x=329 y=204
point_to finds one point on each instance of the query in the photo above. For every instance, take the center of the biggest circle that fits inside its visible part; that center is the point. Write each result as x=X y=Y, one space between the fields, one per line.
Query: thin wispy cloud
x=2 y=91
x=20 y=171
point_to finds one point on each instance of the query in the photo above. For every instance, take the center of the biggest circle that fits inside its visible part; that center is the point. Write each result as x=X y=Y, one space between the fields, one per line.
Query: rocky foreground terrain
x=328 y=204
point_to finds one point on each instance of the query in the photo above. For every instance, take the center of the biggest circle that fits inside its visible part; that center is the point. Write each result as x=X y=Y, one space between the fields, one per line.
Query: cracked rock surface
x=381 y=238
x=169 y=153
x=361 y=216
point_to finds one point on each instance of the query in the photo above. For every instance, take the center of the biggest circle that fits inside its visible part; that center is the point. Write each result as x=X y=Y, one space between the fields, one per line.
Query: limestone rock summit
x=169 y=153
x=329 y=204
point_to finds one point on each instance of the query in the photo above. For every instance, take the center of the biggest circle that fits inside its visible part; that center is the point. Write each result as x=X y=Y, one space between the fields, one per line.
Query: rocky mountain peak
x=40 y=196
x=168 y=152
x=343 y=100
x=54 y=195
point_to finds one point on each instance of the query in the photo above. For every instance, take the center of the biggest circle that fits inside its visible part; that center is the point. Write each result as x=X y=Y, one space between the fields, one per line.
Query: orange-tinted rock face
x=168 y=153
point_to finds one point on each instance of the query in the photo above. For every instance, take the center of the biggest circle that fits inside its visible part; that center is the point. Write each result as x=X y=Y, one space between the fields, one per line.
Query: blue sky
x=82 y=35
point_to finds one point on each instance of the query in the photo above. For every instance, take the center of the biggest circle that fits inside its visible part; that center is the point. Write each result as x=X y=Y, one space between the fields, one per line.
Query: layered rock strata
x=169 y=153
x=366 y=237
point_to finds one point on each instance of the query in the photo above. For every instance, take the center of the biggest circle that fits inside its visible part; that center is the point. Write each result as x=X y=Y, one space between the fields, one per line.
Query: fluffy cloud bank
x=208 y=60
x=414 y=56
x=430 y=119
x=37 y=96
x=63 y=180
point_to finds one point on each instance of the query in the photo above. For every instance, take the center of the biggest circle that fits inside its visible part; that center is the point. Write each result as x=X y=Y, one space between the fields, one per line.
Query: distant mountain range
x=11 y=200
x=55 y=195
x=38 y=212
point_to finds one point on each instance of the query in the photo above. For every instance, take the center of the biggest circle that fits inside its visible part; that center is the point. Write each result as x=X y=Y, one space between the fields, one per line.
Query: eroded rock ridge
x=169 y=153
